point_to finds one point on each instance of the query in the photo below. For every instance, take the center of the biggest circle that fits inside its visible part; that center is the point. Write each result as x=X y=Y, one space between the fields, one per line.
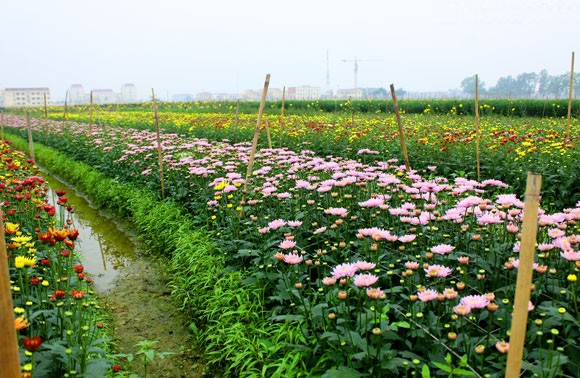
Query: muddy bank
x=132 y=288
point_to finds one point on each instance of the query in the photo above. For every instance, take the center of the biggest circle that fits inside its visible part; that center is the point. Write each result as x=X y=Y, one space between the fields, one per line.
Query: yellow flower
x=21 y=239
x=20 y=323
x=221 y=185
x=11 y=228
x=21 y=261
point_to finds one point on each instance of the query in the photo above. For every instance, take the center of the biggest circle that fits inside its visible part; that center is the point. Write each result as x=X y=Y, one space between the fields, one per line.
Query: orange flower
x=20 y=323
x=59 y=235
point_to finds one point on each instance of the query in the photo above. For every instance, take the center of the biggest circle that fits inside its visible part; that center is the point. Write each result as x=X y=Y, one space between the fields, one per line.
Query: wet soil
x=133 y=289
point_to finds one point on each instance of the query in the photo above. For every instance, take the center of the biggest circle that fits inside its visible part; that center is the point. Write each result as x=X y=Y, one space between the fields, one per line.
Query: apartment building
x=28 y=97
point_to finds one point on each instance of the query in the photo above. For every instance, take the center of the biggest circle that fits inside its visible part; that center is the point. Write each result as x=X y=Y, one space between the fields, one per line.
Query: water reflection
x=103 y=246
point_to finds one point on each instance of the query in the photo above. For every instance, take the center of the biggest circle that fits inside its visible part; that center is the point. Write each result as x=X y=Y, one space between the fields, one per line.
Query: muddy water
x=133 y=289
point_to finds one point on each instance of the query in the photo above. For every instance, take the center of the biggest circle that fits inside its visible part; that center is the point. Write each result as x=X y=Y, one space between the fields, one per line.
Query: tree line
x=525 y=85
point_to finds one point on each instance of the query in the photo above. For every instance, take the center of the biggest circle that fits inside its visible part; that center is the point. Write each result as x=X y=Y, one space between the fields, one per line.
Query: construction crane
x=355 y=60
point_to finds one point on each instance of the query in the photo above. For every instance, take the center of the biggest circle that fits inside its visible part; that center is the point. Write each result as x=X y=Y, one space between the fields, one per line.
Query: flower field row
x=509 y=146
x=386 y=272
x=56 y=316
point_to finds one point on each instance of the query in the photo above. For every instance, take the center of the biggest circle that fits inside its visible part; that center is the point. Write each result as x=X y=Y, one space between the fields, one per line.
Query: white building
x=353 y=94
x=28 y=97
x=128 y=93
x=307 y=92
x=104 y=96
x=76 y=94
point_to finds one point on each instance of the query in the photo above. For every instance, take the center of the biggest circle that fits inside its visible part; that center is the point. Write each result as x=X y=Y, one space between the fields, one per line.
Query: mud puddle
x=132 y=288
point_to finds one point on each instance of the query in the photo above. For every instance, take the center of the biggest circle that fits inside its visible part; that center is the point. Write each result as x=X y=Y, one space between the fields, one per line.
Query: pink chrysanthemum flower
x=319 y=230
x=373 y=202
x=339 y=211
x=277 y=223
x=407 y=238
x=462 y=309
x=442 y=249
x=364 y=265
x=413 y=265
x=366 y=279
x=450 y=293
x=555 y=233
x=328 y=281
x=571 y=255
x=287 y=244
x=427 y=295
x=437 y=271
x=502 y=347
x=474 y=301
x=294 y=223
x=344 y=270
x=293 y=259
x=545 y=247
x=375 y=293
x=264 y=230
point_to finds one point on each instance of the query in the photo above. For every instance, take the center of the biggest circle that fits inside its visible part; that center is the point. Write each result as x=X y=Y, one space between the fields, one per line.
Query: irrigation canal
x=132 y=287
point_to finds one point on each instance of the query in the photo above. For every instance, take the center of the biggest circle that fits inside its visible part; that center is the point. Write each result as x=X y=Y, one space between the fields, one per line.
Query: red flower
x=73 y=234
x=34 y=280
x=32 y=343
x=59 y=293
x=45 y=261
x=77 y=294
x=79 y=268
x=116 y=368
x=60 y=193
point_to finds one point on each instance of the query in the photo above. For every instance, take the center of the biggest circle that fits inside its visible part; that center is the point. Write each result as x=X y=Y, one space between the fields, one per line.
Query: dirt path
x=141 y=309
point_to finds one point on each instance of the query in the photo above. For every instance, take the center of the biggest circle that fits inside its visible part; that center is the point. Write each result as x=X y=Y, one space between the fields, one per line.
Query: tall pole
x=400 y=126
x=282 y=111
x=45 y=119
x=9 y=359
x=159 y=153
x=477 y=153
x=2 y=123
x=570 y=97
x=256 y=136
x=30 y=142
x=524 y=278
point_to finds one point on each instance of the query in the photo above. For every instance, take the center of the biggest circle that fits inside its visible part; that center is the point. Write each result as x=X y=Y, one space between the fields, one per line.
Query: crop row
x=384 y=272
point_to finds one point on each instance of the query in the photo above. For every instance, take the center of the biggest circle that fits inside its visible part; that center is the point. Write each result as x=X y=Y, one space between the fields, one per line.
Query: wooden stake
x=2 y=123
x=400 y=125
x=9 y=359
x=524 y=280
x=65 y=105
x=91 y=113
x=45 y=119
x=477 y=153
x=268 y=133
x=570 y=97
x=159 y=153
x=30 y=142
x=281 y=127
x=256 y=136
x=237 y=115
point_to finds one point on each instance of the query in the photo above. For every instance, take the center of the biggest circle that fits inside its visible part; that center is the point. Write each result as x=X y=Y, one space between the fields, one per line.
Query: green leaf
x=342 y=372
x=425 y=373
x=442 y=366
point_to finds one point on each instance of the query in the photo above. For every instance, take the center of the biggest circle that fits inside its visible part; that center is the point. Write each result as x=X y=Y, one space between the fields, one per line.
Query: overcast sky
x=180 y=46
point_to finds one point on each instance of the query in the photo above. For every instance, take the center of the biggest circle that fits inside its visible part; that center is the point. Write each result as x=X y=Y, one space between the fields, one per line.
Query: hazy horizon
x=181 y=47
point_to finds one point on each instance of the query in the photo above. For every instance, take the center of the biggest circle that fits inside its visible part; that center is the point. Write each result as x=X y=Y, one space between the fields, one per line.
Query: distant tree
x=468 y=86
x=558 y=85
x=399 y=92
x=525 y=85
x=543 y=81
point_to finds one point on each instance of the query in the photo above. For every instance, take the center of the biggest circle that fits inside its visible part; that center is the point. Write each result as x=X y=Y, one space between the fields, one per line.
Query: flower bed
x=59 y=323
x=385 y=272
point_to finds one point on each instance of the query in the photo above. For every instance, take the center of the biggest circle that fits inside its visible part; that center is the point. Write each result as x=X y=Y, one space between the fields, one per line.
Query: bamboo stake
x=45 y=119
x=237 y=115
x=282 y=114
x=30 y=142
x=91 y=114
x=2 y=123
x=255 y=139
x=268 y=133
x=9 y=359
x=65 y=105
x=400 y=125
x=477 y=153
x=524 y=280
x=159 y=154
x=570 y=97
